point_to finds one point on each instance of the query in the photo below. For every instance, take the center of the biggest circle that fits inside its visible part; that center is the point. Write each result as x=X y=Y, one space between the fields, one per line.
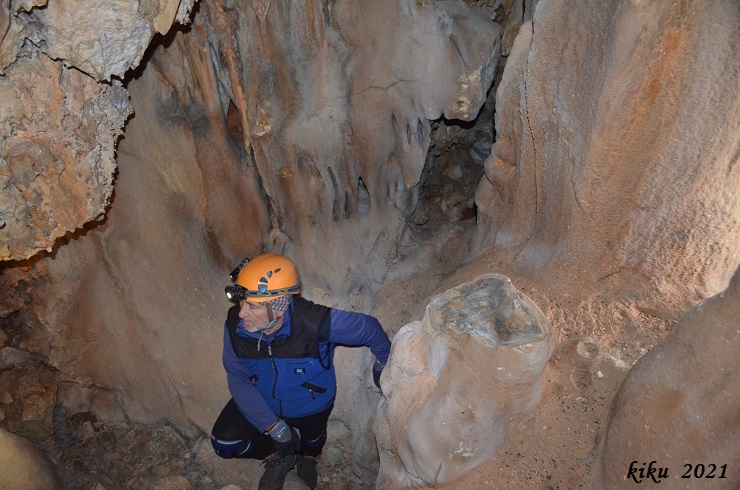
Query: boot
x=276 y=469
x=306 y=469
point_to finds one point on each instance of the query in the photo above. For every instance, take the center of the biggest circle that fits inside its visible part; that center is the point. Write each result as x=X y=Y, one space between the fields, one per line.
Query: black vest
x=310 y=324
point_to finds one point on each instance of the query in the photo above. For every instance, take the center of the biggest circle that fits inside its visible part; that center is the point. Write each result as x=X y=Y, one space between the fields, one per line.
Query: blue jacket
x=290 y=373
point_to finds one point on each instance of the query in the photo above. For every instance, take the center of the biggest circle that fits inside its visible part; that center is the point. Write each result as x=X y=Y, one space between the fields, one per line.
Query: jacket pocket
x=301 y=379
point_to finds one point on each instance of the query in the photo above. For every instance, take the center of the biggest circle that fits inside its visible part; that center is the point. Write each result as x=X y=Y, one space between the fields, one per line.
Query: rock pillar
x=455 y=381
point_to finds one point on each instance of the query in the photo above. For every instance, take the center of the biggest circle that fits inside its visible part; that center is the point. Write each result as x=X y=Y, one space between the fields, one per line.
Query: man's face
x=254 y=316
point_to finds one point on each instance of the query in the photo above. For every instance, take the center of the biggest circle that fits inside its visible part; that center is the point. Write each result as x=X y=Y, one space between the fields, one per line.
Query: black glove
x=285 y=437
x=377 y=370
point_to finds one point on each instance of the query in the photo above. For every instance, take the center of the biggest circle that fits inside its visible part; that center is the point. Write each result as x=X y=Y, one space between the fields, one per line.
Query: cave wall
x=616 y=148
x=337 y=115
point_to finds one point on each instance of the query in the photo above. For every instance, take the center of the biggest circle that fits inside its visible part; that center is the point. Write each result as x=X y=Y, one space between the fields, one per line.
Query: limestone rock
x=27 y=398
x=59 y=127
x=339 y=114
x=679 y=403
x=23 y=465
x=201 y=182
x=56 y=152
x=613 y=122
x=455 y=381
x=103 y=38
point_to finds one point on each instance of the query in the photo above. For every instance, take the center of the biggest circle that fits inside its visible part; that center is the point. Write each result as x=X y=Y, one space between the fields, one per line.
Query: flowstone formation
x=614 y=165
x=337 y=117
x=260 y=141
x=456 y=380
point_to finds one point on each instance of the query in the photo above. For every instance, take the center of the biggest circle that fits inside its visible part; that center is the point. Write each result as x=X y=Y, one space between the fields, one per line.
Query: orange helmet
x=263 y=279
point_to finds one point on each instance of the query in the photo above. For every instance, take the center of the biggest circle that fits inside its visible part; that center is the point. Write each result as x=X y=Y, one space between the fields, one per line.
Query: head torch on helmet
x=236 y=293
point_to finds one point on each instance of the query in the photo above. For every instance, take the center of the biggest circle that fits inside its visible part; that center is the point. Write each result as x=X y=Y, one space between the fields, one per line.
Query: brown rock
x=679 y=403
x=614 y=122
x=27 y=398
x=183 y=166
x=171 y=483
x=57 y=154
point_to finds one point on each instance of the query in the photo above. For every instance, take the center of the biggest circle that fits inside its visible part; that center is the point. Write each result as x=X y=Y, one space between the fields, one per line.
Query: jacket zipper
x=274 y=385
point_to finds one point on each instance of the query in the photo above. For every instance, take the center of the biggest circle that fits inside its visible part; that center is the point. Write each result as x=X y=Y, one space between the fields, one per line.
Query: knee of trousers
x=318 y=442
x=231 y=449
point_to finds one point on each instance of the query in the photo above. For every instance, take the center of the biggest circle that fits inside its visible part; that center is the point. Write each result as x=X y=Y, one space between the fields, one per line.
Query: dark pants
x=234 y=437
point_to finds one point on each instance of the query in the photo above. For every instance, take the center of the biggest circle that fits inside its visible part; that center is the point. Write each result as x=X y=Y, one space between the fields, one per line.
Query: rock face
x=56 y=152
x=679 y=403
x=303 y=128
x=614 y=123
x=337 y=116
x=456 y=380
x=23 y=465
x=27 y=395
x=60 y=126
x=105 y=38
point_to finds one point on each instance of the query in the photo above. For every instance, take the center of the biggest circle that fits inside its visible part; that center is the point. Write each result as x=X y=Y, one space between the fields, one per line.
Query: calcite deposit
x=456 y=380
x=338 y=116
x=616 y=148
x=59 y=124
x=56 y=152
x=104 y=39
x=229 y=153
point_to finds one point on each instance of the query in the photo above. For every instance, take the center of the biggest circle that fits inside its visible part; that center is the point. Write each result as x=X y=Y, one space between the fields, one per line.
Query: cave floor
x=98 y=456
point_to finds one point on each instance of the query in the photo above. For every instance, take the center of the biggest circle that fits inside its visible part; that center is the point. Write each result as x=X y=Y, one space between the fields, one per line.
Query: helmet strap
x=271 y=317
x=270 y=314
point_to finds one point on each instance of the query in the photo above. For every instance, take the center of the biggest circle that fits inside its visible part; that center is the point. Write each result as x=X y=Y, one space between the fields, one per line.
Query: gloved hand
x=285 y=437
x=377 y=370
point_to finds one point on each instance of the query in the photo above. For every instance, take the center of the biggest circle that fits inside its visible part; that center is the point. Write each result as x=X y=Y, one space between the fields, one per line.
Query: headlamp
x=235 y=293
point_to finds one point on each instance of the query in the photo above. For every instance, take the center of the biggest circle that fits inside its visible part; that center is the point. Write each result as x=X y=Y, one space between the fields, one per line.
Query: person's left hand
x=285 y=437
x=377 y=371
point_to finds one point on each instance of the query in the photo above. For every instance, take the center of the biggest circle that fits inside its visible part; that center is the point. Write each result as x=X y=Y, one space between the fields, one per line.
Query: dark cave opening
x=452 y=171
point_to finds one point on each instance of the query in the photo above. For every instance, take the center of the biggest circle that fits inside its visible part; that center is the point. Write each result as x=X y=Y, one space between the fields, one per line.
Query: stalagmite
x=457 y=379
